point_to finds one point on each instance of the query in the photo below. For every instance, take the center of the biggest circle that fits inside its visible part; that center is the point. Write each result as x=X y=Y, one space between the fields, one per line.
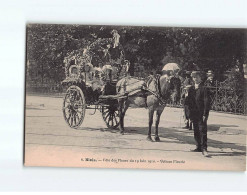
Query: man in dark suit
x=210 y=82
x=200 y=112
x=187 y=83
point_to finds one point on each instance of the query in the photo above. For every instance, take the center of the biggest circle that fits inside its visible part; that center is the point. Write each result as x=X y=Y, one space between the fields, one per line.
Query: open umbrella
x=171 y=66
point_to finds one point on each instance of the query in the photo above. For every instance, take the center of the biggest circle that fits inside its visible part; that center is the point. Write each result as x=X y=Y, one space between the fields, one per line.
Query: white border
x=13 y=17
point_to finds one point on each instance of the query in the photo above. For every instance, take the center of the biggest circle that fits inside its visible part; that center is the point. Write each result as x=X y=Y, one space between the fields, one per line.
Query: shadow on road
x=182 y=136
x=216 y=127
x=227 y=154
x=99 y=129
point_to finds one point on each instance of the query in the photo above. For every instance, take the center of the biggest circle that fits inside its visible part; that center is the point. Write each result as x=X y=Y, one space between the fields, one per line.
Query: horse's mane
x=153 y=84
x=151 y=78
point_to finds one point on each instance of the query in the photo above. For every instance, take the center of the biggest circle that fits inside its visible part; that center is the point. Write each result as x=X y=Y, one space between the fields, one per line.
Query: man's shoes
x=186 y=126
x=205 y=153
x=196 y=150
x=190 y=128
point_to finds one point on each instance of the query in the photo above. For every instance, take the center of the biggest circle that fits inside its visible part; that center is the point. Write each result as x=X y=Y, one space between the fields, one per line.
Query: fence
x=224 y=98
x=227 y=99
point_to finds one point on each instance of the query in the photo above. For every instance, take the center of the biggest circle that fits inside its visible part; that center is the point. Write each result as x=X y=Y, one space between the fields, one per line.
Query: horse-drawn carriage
x=111 y=94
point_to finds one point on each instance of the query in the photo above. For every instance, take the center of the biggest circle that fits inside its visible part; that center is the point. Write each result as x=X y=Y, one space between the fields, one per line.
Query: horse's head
x=170 y=87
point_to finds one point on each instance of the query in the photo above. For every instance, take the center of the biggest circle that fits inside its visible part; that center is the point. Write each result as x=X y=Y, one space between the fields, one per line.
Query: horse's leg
x=123 y=106
x=151 y=114
x=158 y=114
x=124 y=109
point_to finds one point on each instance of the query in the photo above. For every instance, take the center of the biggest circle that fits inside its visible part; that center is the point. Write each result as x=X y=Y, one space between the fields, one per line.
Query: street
x=49 y=141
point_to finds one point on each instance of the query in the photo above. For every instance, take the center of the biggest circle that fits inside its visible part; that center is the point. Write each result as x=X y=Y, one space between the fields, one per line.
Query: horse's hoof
x=122 y=132
x=157 y=139
x=149 y=138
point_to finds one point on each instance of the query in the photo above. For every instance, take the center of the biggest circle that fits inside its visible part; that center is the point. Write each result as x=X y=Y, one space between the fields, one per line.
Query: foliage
x=234 y=80
x=192 y=48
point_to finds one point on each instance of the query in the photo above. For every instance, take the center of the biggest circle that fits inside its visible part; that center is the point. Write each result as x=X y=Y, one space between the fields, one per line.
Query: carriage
x=114 y=91
x=79 y=97
x=91 y=87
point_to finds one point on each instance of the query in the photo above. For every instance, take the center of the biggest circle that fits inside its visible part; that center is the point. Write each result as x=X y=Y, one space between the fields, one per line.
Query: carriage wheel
x=110 y=115
x=74 y=106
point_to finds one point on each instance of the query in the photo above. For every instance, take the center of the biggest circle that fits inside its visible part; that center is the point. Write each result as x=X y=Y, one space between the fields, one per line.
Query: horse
x=157 y=91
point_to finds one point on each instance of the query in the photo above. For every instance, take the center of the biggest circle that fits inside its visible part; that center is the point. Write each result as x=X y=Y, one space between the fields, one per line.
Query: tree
x=150 y=47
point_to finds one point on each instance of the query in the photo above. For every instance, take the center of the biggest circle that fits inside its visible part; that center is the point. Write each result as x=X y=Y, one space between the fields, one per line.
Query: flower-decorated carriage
x=90 y=86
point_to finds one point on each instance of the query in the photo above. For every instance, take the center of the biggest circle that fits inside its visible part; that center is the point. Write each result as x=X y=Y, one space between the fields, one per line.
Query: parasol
x=171 y=66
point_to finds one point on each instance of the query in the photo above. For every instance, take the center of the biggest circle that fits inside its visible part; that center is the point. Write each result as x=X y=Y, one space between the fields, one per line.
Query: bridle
x=158 y=93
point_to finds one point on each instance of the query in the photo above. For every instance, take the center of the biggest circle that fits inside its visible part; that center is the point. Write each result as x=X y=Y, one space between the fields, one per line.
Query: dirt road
x=50 y=142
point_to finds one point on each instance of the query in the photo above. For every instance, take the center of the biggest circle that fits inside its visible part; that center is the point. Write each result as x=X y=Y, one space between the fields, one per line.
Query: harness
x=157 y=92
x=145 y=88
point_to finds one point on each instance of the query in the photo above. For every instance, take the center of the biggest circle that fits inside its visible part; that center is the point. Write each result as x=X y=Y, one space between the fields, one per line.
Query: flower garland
x=84 y=55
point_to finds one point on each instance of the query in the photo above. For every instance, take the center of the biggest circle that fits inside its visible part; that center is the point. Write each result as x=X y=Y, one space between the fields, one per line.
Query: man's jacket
x=199 y=102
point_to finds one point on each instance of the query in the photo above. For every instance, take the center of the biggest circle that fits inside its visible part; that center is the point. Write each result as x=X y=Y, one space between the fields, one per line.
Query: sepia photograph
x=136 y=97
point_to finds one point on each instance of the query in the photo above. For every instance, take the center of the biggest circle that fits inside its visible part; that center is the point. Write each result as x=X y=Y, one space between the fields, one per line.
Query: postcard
x=135 y=97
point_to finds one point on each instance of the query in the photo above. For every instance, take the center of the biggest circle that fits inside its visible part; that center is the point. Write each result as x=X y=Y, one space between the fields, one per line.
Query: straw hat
x=194 y=73
x=107 y=66
x=188 y=72
x=210 y=73
x=187 y=87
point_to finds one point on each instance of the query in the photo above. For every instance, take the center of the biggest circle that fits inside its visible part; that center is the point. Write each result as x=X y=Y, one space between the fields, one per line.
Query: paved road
x=50 y=142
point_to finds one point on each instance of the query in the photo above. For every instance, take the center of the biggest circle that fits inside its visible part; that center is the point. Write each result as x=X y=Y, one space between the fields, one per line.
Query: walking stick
x=181 y=111
x=180 y=117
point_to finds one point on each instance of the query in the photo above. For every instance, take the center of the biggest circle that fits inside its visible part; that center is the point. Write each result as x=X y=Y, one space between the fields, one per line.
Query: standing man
x=200 y=112
x=187 y=106
x=185 y=99
x=210 y=82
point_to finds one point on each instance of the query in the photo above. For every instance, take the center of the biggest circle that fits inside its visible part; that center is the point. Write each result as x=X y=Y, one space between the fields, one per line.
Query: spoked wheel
x=110 y=115
x=74 y=106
